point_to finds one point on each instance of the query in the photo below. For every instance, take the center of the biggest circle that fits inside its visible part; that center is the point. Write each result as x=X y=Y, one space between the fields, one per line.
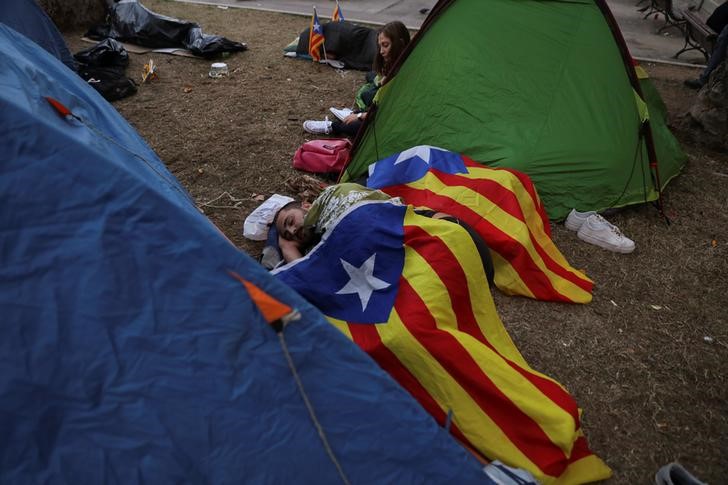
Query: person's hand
x=291 y=250
x=353 y=117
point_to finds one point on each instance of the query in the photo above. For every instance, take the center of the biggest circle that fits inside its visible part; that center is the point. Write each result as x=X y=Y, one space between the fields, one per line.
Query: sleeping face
x=290 y=224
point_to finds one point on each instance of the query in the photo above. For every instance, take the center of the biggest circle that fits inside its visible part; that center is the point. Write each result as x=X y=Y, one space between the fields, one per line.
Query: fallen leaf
x=613 y=303
x=199 y=170
x=187 y=89
x=714 y=243
x=259 y=198
x=656 y=307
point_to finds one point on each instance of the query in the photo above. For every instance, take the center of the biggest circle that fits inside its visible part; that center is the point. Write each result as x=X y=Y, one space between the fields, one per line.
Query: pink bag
x=323 y=156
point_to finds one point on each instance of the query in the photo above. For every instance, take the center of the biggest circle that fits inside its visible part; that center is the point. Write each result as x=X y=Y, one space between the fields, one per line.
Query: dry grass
x=653 y=389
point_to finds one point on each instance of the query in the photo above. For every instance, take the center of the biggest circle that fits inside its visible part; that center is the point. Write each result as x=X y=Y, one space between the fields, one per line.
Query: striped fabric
x=338 y=15
x=412 y=293
x=501 y=205
x=315 y=37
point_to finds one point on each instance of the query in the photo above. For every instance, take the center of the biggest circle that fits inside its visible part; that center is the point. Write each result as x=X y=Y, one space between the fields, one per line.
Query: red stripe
x=527 y=185
x=507 y=200
x=499 y=241
x=314 y=42
x=580 y=450
x=520 y=428
x=368 y=339
x=440 y=258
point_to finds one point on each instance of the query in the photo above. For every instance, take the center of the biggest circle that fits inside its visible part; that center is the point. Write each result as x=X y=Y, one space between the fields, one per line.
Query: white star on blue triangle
x=353 y=274
x=412 y=164
x=421 y=151
x=362 y=281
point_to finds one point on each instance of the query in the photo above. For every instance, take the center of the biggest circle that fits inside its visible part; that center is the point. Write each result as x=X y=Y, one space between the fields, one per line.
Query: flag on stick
x=337 y=16
x=315 y=37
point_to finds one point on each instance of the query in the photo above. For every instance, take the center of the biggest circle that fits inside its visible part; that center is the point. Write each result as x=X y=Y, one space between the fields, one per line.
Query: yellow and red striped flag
x=502 y=205
x=337 y=16
x=315 y=37
x=411 y=291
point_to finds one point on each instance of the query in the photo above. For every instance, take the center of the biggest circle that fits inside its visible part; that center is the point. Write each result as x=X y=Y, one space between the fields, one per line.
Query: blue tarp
x=128 y=352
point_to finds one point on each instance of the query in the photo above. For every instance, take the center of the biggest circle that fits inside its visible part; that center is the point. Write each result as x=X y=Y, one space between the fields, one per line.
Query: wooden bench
x=666 y=8
x=698 y=36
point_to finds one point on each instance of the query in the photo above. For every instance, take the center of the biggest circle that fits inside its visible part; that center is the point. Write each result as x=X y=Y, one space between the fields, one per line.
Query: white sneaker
x=341 y=113
x=317 y=127
x=575 y=219
x=597 y=230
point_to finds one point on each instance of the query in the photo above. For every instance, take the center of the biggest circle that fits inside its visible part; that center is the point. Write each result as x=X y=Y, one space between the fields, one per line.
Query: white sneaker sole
x=604 y=244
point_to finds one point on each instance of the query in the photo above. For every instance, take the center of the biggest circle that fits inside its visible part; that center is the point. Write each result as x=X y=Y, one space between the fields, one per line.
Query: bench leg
x=669 y=24
x=685 y=49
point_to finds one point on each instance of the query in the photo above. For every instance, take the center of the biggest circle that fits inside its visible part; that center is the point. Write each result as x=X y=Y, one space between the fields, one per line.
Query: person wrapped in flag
x=499 y=206
x=316 y=38
x=300 y=226
x=502 y=205
x=411 y=291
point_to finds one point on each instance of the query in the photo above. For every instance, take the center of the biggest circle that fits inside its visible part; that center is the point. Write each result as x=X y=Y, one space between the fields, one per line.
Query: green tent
x=545 y=87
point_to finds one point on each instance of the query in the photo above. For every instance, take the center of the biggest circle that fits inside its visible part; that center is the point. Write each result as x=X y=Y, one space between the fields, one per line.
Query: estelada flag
x=337 y=16
x=315 y=37
x=411 y=291
x=502 y=205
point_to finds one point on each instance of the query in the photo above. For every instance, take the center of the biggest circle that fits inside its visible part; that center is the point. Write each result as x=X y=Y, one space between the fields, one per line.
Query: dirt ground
x=647 y=360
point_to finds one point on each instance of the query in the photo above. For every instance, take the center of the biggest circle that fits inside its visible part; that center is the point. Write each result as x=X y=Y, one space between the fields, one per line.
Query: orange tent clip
x=275 y=312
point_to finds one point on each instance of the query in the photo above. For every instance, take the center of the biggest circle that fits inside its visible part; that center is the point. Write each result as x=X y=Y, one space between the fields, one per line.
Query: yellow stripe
x=483 y=305
x=341 y=325
x=534 y=223
x=558 y=424
x=511 y=226
x=477 y=426
x=511 y=183
x=466 y=253
x=520 y=232
x=507 y=278
x=589 y=469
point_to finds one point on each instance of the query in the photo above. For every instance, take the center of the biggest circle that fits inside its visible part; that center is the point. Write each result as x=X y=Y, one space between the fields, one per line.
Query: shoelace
x=611 y=226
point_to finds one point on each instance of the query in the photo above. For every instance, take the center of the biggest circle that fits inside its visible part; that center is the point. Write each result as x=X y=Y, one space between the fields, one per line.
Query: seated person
x=392 y=39
x=300 y=226
x=718 y=21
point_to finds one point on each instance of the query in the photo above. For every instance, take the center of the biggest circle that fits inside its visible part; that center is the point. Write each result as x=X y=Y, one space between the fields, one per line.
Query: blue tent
x=129 y=354
x=26 y=17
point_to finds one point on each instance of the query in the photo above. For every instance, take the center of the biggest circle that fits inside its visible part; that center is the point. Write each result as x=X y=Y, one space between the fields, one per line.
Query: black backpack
x=103 y=66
